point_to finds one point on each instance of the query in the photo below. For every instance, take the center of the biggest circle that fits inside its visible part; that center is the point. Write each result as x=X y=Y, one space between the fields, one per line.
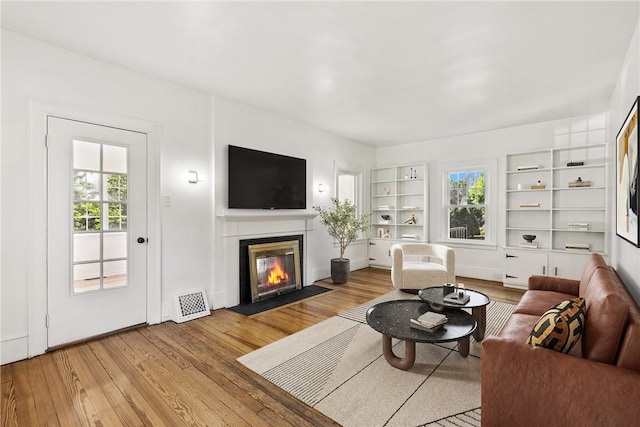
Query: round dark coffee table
x=477 y=303
x=392 y=320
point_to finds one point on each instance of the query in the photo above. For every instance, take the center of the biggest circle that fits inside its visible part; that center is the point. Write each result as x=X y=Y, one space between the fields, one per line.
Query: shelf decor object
x=579 y=183
x=529 y=241
x=627 y=146
x=573 y=164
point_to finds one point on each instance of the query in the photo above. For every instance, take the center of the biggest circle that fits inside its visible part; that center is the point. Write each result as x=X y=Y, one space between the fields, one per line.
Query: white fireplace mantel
x=237 y=224
x=265 y=214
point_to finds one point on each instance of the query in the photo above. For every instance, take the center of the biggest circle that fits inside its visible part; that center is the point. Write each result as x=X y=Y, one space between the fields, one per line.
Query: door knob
x=141 y=240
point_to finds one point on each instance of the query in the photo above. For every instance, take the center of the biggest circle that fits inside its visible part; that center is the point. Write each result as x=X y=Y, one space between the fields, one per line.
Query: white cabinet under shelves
x=521 y=264
x=559 y=196
x=398 y=209
x=380 y=252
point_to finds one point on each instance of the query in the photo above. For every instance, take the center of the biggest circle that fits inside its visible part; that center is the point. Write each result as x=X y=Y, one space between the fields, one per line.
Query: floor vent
x=191 y=305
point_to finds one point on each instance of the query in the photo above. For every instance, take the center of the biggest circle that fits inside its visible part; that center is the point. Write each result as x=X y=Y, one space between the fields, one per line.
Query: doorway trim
x=38 y=111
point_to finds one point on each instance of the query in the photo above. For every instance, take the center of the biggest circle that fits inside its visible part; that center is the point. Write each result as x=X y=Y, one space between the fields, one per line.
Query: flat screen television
x=261 y=180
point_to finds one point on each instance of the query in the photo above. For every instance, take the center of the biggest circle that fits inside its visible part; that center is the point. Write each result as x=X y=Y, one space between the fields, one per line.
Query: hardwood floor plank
x=147 y=404
x=154 y=380
x=62 y=401
x=6 y=373
x=199 y=390
x=44 y=403
x=84 y=407
x=8 y=411
x=25 y=404
x=105 y=412
x=165 y=349
x=120 y=403
x=184 y=374
x=219 y=364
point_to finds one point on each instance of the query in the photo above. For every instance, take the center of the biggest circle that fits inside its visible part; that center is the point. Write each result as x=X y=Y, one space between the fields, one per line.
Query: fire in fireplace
x=274 y=269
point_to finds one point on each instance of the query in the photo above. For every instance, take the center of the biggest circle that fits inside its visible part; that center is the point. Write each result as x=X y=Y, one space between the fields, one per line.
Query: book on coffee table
x=429 y=321
x=454 y=298
x=417 y=325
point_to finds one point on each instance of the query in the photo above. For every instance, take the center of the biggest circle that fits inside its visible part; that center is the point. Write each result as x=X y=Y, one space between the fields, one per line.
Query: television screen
x=261 y=180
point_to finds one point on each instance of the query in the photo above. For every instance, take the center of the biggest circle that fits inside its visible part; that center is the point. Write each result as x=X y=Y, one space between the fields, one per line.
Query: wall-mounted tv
x=261 y=180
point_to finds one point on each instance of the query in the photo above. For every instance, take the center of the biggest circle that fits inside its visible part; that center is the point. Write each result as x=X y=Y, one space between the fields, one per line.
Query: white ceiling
x=380 y=73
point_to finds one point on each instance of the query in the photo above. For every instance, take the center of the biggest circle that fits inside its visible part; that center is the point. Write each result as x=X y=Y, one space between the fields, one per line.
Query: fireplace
x=269 y=267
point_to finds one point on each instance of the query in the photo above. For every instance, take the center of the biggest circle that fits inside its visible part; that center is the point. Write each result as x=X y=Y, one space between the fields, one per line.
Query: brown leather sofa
x=596 y=384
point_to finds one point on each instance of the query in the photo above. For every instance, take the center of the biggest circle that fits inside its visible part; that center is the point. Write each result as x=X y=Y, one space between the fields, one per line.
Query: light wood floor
x=183 y=374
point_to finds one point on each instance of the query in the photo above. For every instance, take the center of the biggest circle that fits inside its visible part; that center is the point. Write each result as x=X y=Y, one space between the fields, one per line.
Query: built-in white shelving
x=400 y=193
x=543 y=201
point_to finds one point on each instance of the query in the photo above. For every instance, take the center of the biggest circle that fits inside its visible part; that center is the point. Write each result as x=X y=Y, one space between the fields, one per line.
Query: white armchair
x=420 y=265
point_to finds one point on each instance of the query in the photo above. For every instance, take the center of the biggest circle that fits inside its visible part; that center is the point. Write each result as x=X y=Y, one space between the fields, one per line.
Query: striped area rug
x=337 y=367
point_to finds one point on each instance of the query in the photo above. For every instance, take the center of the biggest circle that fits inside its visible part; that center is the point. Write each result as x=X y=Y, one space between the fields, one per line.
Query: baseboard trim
x=14 y=348
x=216 y=300
x=474 y=272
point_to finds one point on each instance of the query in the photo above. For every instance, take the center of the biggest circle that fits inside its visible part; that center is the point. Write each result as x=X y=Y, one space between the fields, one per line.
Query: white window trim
x=489 y=165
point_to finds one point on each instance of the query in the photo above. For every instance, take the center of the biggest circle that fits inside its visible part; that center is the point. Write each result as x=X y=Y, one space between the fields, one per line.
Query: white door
x=97 y=228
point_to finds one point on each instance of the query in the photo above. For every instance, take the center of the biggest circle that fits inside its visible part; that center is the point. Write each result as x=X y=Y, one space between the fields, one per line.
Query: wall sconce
x=193 y=177
x=320 y=188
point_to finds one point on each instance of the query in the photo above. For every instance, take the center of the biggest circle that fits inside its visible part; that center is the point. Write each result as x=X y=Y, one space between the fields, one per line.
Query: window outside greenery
x=467 y=209
x=87 y=214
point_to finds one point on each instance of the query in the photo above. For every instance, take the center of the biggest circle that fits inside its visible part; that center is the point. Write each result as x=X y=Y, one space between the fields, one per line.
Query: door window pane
x=86 y=185
x=115 y=187
x=86 y=155
x=115 y=245
x=115 y=274
x=86 y=277
x=86 y=247
x=114 y=159
x=99 y=207
x=116 y=216
x=86 y=216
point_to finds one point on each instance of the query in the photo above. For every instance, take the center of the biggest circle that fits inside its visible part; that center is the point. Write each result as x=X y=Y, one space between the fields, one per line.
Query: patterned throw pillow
x=560 y=327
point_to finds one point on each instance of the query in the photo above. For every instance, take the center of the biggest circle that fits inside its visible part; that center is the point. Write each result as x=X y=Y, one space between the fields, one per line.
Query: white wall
x=238 y=124
x=484 y=263
x=31 y=69
x=625 y=256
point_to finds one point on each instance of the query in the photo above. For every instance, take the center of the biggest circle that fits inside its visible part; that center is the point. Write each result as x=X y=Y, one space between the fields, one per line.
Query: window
x=468 y=216
x=467 y=210
x=349 y=186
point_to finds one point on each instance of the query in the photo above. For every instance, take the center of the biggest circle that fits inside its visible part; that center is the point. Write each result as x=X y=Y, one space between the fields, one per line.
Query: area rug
x=337 y=367
x=280 y=300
